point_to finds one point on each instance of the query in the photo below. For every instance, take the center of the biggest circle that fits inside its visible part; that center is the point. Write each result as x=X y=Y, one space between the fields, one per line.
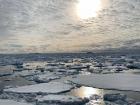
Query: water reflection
x=91 y=93
x=95 y=95
x=87 y=92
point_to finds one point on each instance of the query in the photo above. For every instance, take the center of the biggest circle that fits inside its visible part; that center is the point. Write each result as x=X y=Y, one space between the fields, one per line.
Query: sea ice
x=6 y=70
x=61 y=100
x=51 y=87
x=42 y=78
x=121 y=81
x=11 y=102
x=27 y=73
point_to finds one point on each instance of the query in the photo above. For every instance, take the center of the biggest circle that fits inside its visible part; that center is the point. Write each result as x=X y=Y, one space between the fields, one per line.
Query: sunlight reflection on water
x=91 y=93
x=95 y=95
x=87 y=92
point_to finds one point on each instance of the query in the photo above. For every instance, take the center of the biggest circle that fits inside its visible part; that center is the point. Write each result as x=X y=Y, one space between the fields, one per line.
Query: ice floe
x=46 y=77
x=6 y=70
x=51 y=87
x=27 y=73
x=11 y=102
x=14 y=81
x=121 y=81
x=118 y=99
x=61 y=100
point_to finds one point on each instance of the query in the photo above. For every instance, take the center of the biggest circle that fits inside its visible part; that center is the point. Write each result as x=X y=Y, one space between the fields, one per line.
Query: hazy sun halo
x=88 y=8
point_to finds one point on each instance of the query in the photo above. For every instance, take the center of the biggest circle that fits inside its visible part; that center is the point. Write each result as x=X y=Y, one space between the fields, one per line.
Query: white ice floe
x=11 y=102
x=26 y=73
x=46 y=77
x=51 y=87
x=123 y=81
x=6 y=70
x=60 y=100
x=67 y=71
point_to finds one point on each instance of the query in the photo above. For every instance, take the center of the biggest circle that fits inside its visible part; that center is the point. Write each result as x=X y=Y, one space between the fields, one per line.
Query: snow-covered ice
x=121 y=81
x=26 y=73
x=6 y=70
x=11 y=102
x=46 y=77
x=61 y=100
x=51 y=87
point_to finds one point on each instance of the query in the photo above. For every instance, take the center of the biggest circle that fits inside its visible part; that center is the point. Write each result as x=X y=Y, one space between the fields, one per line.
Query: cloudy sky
x=68 y=25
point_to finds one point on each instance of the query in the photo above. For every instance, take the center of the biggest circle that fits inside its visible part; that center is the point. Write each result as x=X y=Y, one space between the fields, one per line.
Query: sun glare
x=88 y=8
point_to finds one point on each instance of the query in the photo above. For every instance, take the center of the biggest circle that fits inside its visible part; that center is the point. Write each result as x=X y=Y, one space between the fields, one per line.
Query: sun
x=88 y=8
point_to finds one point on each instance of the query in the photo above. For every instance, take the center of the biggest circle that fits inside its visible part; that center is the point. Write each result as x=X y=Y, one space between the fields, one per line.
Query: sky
x=45 y=26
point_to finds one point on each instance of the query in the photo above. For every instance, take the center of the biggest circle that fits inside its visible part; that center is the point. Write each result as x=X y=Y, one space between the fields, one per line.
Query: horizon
x=115 y=51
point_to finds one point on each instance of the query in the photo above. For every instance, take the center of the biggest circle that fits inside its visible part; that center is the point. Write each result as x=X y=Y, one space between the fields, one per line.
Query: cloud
x=53 y=26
